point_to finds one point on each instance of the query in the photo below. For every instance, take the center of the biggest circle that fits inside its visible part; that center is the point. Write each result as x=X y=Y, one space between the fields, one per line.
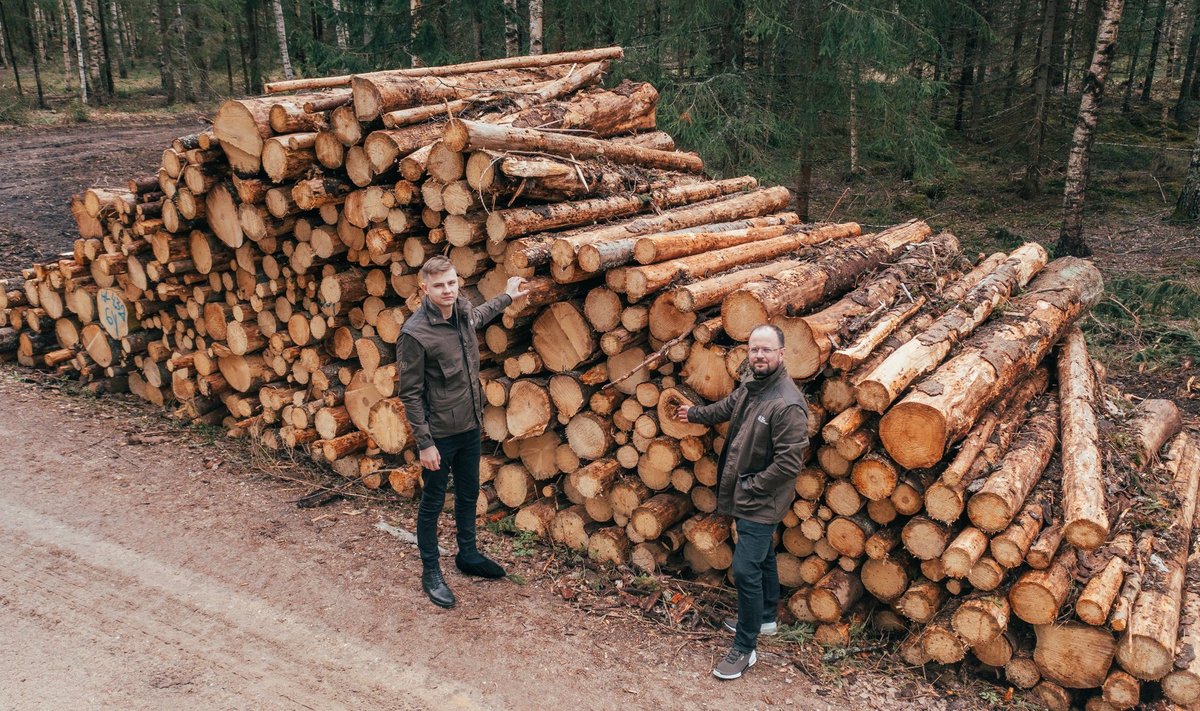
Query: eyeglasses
x=763 y=351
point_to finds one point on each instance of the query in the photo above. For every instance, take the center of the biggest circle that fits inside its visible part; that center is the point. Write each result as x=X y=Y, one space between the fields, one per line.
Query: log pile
x=960 y=488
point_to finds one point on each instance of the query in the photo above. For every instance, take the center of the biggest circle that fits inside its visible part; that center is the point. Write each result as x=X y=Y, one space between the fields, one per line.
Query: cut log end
x=914 y=434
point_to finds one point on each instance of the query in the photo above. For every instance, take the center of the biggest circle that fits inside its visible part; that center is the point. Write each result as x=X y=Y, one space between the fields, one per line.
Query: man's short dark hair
x=773 y=329
x=437 y=264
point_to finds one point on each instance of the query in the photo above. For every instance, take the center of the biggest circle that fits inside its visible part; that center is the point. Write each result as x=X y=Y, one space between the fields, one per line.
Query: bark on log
x=796 y=289
x=997 y=503
x=942 y=408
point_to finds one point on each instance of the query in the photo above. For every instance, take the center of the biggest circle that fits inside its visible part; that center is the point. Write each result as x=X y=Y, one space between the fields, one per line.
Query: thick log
x=1074 y=655
x=529 y=411
x=460 y=135
x=1037 y=595
x=921 y=601
x=981 y=618
x=887 y=578
x=964 y=552
x=378 y=93
x=795 y=290
x=833 y=595
x=1147 y=649
x=659 y=513
x=928 y=349
x=940 y=409
x=563 y=338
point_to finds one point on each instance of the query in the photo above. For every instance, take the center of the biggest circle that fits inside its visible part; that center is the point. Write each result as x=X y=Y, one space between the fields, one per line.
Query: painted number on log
x=114 y=315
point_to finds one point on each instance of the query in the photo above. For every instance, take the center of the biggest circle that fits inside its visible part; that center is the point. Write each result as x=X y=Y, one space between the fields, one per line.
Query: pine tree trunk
x=179 y=45
x=281 y=35
x=256 y=80
x=95 y=78
x=1189 y=71
x=1031 y=185
x=166 y=51
x=1071 y=241
x=1136 y=42
x=1148 y=82
x=1014 y=62
x=414 y=14
x=4 y=43
x=535 y=26
x=1187 y=207
x=966 y=77
x=106 y=67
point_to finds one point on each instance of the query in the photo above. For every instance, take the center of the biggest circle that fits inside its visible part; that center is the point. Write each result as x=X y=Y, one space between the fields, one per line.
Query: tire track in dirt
x=238 y=648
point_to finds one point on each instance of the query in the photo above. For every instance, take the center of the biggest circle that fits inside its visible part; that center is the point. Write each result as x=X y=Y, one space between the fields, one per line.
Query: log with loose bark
x=376 y=94
x=812 y=338
x=1147 y=648
x=940 y=409
x=460 y=135
x=997 y=503
x=1097 y=597
x=796 y=289
x=1182 y=684
x=518 y=221
x=1074 y=655
x=928 y=349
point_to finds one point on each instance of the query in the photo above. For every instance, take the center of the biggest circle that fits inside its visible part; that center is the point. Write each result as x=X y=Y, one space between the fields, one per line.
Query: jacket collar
x=433 y=313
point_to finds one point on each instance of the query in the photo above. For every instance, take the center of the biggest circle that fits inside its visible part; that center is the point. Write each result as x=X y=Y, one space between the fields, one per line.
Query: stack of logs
x=966 y=483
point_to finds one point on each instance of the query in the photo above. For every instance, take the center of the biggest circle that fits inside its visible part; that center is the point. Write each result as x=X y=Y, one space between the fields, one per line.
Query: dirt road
x=140 y=567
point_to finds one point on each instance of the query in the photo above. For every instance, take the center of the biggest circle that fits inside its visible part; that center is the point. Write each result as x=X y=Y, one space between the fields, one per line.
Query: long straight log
x=463 y=135
x=796 y=289
x=940 y=409
x=997 y=503
x=1085 y=519
x=640 y=281
x=541 y=60
x=517 y=221
x=1147 y=649
x=924 y=352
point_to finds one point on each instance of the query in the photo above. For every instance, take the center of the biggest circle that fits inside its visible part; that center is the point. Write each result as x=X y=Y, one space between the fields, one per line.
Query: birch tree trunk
x=535 y=26
x=65 y=34
x=339 y=26
x=512 y=39
x=4 y=44
x=39 y=30
x=281 y=32
x=122 y=65
x=93 y=50
x=1070 y=239
x=83 y=93
x=414 y=13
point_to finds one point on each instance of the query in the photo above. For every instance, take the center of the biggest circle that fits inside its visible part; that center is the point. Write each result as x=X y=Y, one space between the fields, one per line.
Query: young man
x=764 y=451
x=437 y=363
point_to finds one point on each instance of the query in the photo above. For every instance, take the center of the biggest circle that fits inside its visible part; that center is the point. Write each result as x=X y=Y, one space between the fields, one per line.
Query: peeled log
x=1147 y=649
x=811 y=339
x=942 y=408
x=925 y=351
x=1085 y=518
x=1074 y=655
x=997 y=503
x=797 y=289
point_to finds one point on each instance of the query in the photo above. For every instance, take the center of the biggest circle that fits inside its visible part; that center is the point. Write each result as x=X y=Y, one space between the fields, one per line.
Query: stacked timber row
x=958 y=487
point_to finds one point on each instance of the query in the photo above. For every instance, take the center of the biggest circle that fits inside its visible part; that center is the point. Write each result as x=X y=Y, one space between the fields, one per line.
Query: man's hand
x=431 y=458
x=681 y=413
x=516 y=287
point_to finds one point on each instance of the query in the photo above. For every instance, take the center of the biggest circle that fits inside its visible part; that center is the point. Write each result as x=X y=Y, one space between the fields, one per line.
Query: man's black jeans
x=756 y=578
x=460 y=457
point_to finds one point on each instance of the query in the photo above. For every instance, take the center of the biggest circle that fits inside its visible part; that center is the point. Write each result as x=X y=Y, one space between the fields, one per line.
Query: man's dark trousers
x=756 y=578
x=460 y=457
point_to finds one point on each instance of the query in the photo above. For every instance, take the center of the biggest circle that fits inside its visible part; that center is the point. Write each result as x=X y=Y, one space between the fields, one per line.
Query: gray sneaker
x=735 y=664
x=768 y=628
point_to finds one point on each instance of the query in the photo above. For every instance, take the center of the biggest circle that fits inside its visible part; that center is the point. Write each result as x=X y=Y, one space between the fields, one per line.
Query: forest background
x=1072 y=122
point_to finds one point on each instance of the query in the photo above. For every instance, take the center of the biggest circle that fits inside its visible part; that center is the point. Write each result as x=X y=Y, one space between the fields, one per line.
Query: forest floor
x=156 y=568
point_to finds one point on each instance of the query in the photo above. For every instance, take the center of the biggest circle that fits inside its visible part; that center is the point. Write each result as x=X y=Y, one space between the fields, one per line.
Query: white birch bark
x=512 y=40
x=535 y=26
x=83 y=93
x=281 y=31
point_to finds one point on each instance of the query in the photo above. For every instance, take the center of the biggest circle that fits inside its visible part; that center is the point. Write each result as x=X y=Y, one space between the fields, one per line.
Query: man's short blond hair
x=437 y=264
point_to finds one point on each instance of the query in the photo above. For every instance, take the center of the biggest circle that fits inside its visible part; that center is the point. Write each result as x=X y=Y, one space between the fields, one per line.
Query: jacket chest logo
x=763 y=420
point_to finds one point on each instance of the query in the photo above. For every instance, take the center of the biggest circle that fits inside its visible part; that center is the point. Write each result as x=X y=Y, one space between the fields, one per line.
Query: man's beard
x=762 y=375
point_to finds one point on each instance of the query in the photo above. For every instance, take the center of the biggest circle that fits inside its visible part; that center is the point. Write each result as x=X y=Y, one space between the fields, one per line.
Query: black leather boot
x=436 y=588
x=479 y=565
